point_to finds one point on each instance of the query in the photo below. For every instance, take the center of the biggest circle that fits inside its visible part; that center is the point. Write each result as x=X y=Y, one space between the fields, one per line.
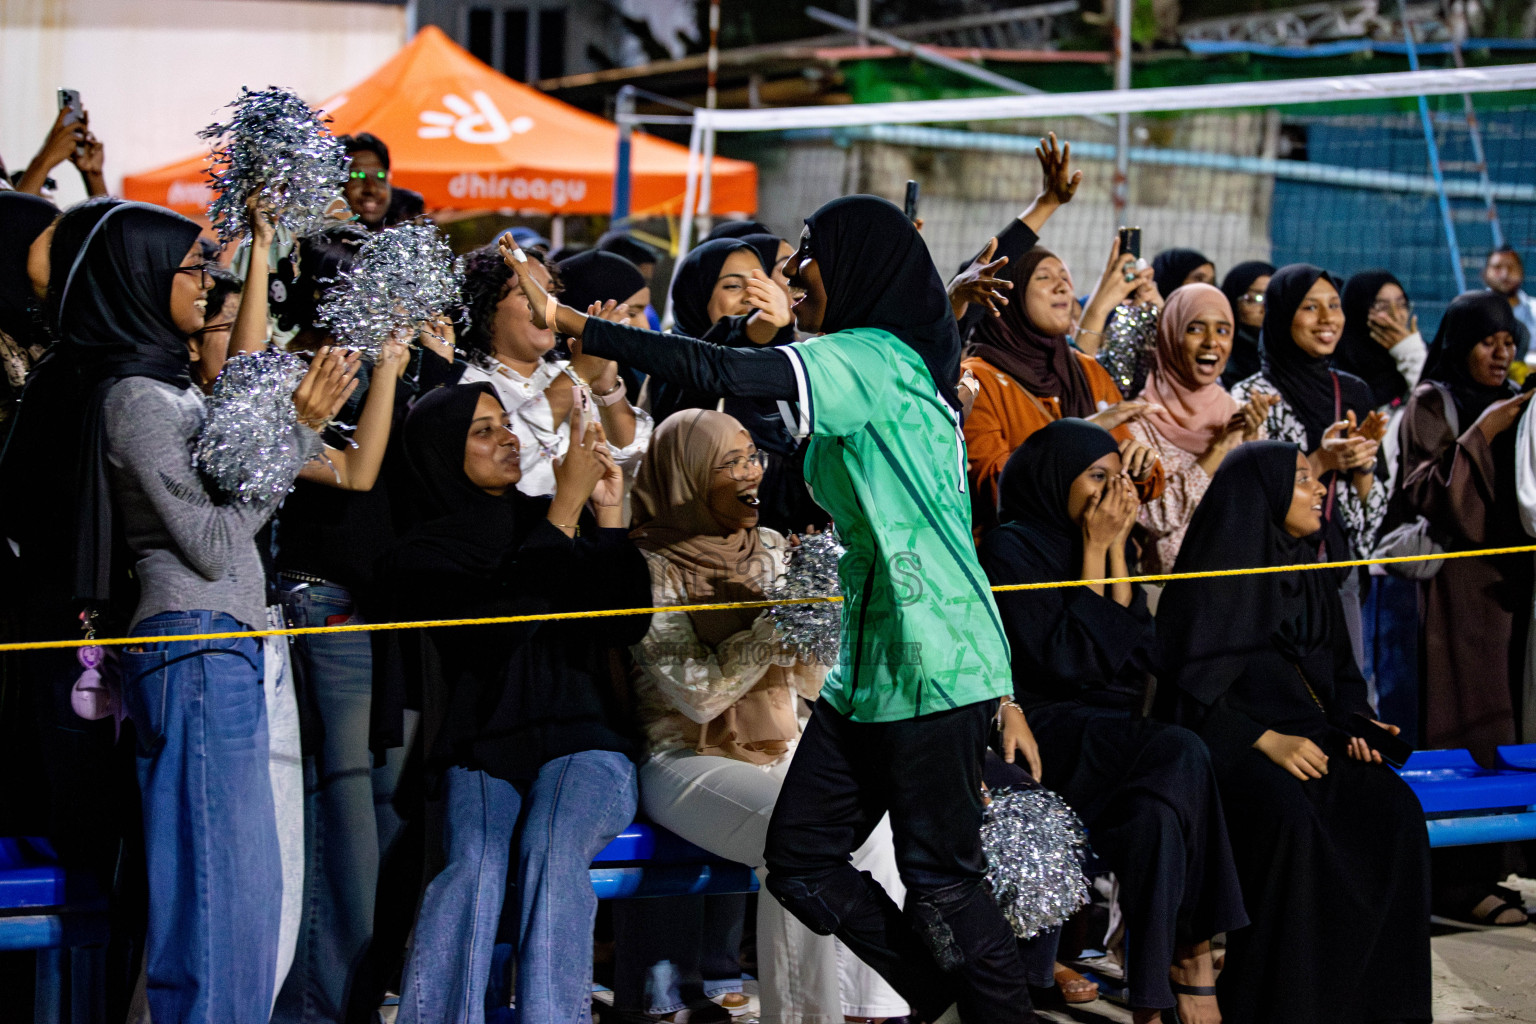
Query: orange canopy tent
x=469 y=138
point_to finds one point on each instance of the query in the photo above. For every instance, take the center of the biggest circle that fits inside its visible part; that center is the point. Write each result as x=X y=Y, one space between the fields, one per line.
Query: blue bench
x=647 y=860
x=1466 y=805
x=62 y=916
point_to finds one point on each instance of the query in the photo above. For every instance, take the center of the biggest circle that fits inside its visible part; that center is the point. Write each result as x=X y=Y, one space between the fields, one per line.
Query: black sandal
x=1511 y=901
x=1186 y=990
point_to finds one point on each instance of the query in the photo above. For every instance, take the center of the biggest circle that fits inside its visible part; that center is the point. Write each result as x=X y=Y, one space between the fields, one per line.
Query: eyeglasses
x=1391 y=306
x=740 y=468
x=201 y=270
x=1253 y=298
x=365 y=175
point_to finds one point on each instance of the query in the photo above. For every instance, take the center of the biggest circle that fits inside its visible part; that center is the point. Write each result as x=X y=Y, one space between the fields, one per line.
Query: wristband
x=612 y=396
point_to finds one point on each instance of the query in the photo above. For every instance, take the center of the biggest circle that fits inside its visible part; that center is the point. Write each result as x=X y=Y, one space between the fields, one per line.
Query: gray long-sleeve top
x=192 y=553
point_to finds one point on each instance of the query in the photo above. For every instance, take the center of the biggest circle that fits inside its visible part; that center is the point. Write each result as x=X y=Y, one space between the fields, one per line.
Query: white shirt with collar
x=541 y=439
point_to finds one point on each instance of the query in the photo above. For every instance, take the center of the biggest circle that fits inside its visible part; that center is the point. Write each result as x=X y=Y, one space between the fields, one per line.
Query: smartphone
x=587 y=413
x=1130 y=242
x=909 y=206
x=69 y=100
x=1392 y=749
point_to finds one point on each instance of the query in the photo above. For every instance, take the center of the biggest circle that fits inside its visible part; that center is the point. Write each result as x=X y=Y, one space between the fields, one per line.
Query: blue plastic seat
x=647 y=860
x=1466 y=804
x=62 y=916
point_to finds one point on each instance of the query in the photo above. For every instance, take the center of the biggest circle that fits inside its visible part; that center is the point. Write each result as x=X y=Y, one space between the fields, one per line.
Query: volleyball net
x=1344 y=172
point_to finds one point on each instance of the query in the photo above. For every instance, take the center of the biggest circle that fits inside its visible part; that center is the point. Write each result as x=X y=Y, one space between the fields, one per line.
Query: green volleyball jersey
x=920 y=630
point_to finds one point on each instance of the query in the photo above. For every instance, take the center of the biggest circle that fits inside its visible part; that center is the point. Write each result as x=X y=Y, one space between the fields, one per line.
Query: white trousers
x=723 y=806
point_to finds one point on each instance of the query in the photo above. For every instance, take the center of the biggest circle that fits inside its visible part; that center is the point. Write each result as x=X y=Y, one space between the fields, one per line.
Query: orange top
x=1003 y=418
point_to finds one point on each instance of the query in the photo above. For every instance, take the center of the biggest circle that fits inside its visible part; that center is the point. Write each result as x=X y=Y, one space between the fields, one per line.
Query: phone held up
x=74 y=112
x=909 y=205
x=1130 y=242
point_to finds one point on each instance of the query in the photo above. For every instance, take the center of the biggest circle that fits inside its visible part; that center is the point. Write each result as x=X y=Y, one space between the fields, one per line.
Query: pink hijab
x=1195 y=412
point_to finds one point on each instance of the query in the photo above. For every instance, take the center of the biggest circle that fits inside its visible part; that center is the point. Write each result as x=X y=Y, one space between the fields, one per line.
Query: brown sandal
x=1067 y=980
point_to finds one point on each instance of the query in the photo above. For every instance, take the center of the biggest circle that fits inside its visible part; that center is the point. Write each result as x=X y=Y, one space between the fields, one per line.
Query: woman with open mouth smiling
x=1192 y=423
x=904 y=716
x=1326 y=411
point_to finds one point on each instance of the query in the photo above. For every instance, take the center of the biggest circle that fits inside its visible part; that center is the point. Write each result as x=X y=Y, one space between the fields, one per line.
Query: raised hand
x=1060 y=181
x=979 y=283
x=769 y=299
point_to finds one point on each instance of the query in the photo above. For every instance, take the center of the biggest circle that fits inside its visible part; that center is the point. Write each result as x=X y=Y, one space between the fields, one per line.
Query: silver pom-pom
x=814 y=630
x=246 y=446
x=1130 y=338
x=274 y=145
x=1035 y=847
x=402 y=278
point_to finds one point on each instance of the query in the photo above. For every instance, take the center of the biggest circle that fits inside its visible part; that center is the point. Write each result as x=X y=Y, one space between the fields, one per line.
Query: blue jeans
x=561 y=820
x=341 y=846
x=1392 y=651
x=210 y=834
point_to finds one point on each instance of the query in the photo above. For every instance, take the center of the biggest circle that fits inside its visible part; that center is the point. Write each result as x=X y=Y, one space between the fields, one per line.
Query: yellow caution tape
x=607 y=613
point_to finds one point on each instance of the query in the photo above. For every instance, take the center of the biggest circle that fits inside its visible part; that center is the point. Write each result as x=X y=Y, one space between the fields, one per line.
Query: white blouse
x=542 y=439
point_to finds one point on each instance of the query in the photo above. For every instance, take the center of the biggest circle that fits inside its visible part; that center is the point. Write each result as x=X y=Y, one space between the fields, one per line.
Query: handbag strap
x=1338 y=412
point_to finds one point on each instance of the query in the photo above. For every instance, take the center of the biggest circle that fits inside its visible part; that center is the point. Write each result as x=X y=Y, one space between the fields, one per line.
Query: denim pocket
x=146 y=686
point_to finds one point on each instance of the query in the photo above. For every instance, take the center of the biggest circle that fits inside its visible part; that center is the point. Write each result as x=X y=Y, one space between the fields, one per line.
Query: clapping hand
x=1344 y=452
x=1373 y=429
x=330 y=381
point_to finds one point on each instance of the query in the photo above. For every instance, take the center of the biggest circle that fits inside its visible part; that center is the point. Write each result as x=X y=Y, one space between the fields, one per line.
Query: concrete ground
x=1481 y=975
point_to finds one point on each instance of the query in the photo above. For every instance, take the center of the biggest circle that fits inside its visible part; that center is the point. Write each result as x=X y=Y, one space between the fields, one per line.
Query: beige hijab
x=672 y=518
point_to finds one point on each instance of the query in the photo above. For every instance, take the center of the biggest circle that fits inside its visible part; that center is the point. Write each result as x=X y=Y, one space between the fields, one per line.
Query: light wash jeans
x=341 y=826
x=285 y=763
x=724 y=805
x=561 y=820
x=210 y=833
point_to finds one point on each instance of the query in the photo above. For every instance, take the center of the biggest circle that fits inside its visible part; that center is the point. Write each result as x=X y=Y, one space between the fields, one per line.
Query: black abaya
x=1080 y=667
x=1334 y=871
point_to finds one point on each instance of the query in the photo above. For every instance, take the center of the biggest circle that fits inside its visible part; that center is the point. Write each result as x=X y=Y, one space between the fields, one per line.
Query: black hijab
x=630 y=248
x=1305 y=382
x=1358 y=352
x=1171 y=266
x=695 y=281
x=1209 y=628
x=114 y=305
x=594 y=276
x=1244 y=361
x=434 y=436
x=114 y=321
x=767 y=247
x=1471 y=317
x=23 y=217
x=737 y=229
x=1044 y=365
x=878 y=273
x=1033 y=488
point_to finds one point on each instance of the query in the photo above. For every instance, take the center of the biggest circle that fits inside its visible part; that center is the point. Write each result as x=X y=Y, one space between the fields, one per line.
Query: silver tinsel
x=1130 y=338
x=1035 y=848
x=402 y=277
x=273 y=144
x=246 y=445
x=814 y=630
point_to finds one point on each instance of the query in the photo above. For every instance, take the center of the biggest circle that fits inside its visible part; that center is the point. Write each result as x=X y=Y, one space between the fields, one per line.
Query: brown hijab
x=672 y=518
x=1043 y=365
